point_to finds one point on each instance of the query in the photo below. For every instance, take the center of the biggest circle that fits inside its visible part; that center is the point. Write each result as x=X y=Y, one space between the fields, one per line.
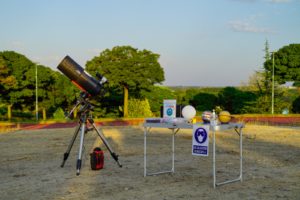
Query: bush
x=139 y=108
x=59 y=114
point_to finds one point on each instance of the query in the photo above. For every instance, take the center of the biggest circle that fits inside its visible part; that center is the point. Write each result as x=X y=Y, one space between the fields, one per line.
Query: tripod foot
x=116 y=158
x=78 y=167
x=66 y=155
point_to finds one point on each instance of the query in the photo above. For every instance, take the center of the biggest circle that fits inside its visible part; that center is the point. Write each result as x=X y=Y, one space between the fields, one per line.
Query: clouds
x=245 y=26
x=262 y=23
x=250 y=24
x=280 y=1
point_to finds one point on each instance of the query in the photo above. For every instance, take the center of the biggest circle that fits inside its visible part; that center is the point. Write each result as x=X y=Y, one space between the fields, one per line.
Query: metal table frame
x=214 y=128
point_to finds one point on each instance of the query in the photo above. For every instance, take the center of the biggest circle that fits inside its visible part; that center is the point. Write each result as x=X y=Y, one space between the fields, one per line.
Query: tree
x=18 y=84
x=156 y=96
x=54 y=90
x=185 y=96
x=256 y=82
x=296 y=84
x=261 y=84
x=267 y=50
x=63 y=92
x=286 y=64
x=6 y=79
x=129 y=68
x=296 y=105
x=236 y=101
x=16 y=67
x=204 y=101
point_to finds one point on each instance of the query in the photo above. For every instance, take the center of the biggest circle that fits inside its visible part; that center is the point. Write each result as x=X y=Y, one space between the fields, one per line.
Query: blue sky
x=201 y=43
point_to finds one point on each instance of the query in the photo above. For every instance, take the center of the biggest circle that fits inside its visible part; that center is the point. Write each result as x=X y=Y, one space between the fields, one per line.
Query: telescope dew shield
x=79 y=77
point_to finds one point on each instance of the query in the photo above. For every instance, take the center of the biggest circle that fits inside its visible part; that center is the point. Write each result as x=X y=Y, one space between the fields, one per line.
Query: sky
x=200 y=42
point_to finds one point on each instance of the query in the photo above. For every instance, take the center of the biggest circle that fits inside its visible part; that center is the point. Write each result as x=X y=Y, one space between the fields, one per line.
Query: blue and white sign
x=200 y=140
x=169 y=109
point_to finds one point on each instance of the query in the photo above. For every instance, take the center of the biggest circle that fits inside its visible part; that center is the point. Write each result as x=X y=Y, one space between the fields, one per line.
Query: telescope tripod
x=82 y=127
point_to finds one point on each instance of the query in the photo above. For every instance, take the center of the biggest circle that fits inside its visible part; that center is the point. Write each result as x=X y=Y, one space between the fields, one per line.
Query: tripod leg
x=100 y=134
x=66 y=155
x=78 y=166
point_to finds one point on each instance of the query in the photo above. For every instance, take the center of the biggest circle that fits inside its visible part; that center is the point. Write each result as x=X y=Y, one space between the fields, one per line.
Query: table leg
x=214 y=159
x=173 y=150
x=145 y=152
x=146 y=131
x=241 y=155
x=241 y=162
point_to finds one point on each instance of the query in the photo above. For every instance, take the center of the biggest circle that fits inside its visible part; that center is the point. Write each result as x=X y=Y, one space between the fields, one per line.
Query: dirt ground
x=30 y=165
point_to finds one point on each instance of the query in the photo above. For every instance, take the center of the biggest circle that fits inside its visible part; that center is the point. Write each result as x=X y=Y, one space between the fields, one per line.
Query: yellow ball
x=224 y=117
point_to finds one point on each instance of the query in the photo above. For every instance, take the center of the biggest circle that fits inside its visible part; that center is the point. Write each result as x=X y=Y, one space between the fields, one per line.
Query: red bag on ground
x=97 y=159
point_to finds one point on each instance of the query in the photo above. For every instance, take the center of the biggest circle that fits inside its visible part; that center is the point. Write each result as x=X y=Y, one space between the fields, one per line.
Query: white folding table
x=175 y=127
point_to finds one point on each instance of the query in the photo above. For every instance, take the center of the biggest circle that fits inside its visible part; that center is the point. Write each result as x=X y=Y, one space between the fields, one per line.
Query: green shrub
x=59 y=114
x=139 y=108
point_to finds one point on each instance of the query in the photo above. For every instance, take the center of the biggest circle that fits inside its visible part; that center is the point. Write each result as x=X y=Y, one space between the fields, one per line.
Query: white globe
x=188 y=112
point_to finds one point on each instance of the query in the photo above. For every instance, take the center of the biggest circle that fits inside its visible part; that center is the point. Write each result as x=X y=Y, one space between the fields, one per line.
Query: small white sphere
x=188 y=112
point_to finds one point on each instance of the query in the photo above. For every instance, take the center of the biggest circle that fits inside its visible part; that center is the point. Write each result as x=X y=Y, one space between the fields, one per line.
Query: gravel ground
x=30 y=165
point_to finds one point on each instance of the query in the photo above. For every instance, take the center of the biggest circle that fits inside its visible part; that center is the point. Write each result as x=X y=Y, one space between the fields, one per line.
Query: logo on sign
x=169 y=111
x=200 y=140
x=200 y=135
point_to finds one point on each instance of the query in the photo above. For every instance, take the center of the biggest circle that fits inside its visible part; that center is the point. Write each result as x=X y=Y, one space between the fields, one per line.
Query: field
x=30 y=165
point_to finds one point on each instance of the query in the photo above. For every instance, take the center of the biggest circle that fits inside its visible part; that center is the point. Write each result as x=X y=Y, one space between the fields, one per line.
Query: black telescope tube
x=79 y=77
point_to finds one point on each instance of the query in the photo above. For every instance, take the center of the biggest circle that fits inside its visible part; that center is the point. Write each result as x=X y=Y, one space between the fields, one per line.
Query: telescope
x=80 y=78
x=89 y=87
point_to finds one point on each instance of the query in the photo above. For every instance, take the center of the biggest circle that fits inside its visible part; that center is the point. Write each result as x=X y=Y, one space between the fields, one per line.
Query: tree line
x=133 y=88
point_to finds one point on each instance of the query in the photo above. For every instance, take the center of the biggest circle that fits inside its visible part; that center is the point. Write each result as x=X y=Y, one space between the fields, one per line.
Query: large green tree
x=6 y=79
x=286 y=64
x=129 y=68
x=18 y=68
x=18 y=84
